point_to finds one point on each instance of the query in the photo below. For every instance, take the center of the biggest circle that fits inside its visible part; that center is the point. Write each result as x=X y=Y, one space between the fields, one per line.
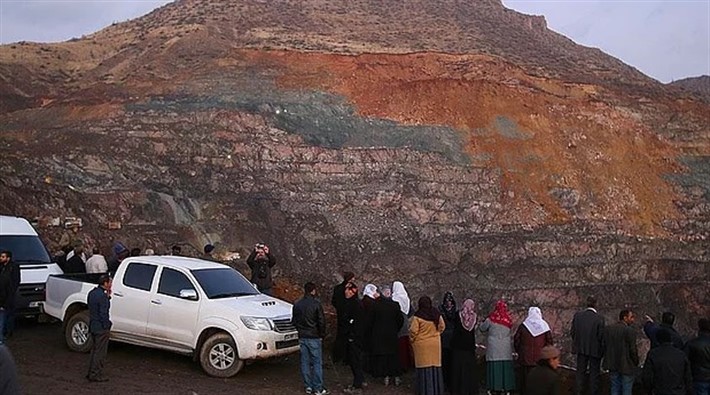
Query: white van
x=28 y=251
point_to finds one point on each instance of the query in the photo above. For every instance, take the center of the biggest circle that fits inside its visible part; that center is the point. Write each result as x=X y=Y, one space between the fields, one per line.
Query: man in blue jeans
x=309 y=320
x=698 y=352
x=621 y=356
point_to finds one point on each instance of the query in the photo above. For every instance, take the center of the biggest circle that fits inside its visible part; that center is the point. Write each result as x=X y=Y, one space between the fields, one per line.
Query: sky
x=666 y=39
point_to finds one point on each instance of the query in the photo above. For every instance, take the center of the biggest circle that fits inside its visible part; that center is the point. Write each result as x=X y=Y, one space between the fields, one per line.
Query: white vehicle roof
x=15 y=226
x=176 y=261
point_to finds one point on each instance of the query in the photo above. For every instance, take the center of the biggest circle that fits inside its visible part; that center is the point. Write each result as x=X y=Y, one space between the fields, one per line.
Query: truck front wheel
x=219 y=357
x=77 y=334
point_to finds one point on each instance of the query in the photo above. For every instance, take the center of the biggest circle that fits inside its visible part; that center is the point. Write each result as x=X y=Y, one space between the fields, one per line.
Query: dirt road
x=46 y=366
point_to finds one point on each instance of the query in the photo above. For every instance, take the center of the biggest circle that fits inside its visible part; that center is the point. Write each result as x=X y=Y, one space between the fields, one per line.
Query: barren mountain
x=697 y=85
x=447 y=144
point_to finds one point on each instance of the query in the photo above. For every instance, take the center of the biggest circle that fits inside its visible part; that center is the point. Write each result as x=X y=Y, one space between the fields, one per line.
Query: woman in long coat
x=406 y=359
x=451 y=315
x=425 y=335
x=500 y=373
x=383 y=326
x=464 y=374
x=532 y=335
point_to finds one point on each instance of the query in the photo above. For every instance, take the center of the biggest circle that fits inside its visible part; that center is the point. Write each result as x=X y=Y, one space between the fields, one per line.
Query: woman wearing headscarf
x=406 y=359
x=451 y=315
x=464 y=376
x=425 y=330
x=500 y=375
x=529 y=339
x=383 y=327
x=369 y=296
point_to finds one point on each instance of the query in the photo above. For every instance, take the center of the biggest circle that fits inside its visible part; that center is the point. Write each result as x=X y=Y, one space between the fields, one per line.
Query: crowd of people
x=381 y=335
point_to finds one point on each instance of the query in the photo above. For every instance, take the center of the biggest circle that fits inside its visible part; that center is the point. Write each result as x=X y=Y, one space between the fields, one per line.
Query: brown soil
x=46 y=366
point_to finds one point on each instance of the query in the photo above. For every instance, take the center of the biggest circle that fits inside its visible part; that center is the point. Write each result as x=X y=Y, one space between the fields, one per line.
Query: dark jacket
x=261 y=270
x=667 y=372
x=621 y=354
x=529 y=347
x=652 y=328
x=543 y=380
x=337 y=301
x=308 y=318
x=463 y=340
x=9 y=383
x=7 y=290
x=383 y=326
x=99 y=305
x=354 y=317
x=588 y=333
x=698 y=352
x=75 y=265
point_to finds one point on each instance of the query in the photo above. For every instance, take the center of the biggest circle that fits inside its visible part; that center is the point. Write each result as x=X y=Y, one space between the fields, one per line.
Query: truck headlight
x=256 y=323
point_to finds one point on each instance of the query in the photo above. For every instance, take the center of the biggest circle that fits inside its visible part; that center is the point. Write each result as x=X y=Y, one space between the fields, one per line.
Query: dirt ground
x=45 y=365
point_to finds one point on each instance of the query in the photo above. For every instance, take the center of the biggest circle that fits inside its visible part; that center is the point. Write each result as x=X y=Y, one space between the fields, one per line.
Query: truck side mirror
x=189 y=294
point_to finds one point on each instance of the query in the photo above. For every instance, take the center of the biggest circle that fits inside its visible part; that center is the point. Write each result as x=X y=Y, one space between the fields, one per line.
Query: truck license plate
x=35 y=304
x=291 y=336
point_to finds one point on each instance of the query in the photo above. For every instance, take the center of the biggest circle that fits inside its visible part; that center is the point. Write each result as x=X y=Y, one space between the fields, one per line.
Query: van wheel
x=77 y=334
x=219 y=357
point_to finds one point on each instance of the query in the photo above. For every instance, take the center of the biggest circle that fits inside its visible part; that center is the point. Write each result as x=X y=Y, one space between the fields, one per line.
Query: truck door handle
x=156 y=302
x=120 y=295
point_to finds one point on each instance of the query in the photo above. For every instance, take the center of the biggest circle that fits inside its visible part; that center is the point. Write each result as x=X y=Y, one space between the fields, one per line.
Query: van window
x=25 y=249
x=139 y=275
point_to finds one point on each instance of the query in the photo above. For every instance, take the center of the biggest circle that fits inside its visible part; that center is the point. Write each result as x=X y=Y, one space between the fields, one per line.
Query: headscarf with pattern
x=501 y=315
x=468 y=314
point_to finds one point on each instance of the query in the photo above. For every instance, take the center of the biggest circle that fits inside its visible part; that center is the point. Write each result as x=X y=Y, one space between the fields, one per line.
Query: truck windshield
x=223 y=283
x=25 y=249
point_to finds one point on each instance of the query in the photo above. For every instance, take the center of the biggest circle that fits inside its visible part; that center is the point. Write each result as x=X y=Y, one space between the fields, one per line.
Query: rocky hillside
x=699 y=86
x=448 y=144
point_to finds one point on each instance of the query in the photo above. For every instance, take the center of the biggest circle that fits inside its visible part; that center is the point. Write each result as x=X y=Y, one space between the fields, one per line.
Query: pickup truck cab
x=185 y=305
x=28 y=251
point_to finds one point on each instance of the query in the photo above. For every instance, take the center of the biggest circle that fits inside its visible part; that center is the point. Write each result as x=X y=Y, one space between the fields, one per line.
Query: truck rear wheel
x=77 y=334
x=219 y=357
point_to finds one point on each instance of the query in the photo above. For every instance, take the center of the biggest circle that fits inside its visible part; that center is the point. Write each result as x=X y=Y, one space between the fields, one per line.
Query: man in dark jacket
x=6 y=263
x=698 y=352
x=309 y=320
x=588 y=343
x=337 y=301
x=354 y=315
x=650 y=328
x=76 y=264
x=100 y=327
x=543 y=379
x=7 y=290
x=667 y=370
x=260 y=262
x=621 y=357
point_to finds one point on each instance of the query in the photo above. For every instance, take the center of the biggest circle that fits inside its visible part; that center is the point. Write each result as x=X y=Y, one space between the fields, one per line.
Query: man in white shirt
x=97 y=262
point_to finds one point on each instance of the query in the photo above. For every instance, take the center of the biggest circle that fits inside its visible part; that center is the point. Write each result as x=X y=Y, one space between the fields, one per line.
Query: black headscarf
x=427 y=312
x=449 y=309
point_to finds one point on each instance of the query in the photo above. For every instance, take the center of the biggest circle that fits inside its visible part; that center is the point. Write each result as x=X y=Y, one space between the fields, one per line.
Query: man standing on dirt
x=588 y=343
x=309 y=320
x=260 y=262
x=9 y=281
x=100 y=327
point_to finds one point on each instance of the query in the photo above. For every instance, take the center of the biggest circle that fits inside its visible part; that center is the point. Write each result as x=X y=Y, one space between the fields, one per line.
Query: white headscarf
x=399 y=295
x=370 y=290
x=534 y=322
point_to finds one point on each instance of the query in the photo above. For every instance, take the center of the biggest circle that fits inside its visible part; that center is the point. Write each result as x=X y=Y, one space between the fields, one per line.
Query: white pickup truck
x=184 y=305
